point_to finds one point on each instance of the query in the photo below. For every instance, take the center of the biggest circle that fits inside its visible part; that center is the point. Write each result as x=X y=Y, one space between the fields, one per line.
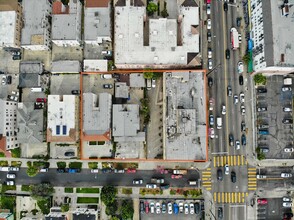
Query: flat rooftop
x=185 y=103
x=7 y=27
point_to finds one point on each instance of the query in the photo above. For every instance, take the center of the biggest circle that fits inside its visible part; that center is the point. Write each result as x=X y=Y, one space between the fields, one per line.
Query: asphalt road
x=86 y=178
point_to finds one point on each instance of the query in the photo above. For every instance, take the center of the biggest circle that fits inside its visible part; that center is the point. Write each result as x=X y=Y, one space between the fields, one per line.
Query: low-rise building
x=36 y=33
x=97 y=117
x=56 y=214
x=11 y=23
x=66 y=66
x=97 y=22
x=85 y=214
x=95 y=65
x=63 y=115
x=8 y=127
x=66 y=23
x=137 y=80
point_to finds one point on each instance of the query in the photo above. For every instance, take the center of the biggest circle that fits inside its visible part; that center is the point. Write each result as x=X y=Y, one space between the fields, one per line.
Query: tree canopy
x=127 y=210
x=108 y=194
x=151 y=8
x=259 y=78
x=39 y=191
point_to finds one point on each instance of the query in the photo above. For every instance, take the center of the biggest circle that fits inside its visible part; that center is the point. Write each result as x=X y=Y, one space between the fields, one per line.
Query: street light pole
x=215 y=67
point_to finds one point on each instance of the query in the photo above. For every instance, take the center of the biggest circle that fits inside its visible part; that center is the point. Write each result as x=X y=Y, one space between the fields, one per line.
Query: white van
x=44 y=170
x=219 y=123
x=37 y=89
x=192 y=182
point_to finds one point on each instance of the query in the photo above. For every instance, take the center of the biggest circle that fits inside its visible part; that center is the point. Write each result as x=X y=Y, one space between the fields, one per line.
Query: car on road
x=242 y=110
x=10 y=183
x=287 y=204
x=152 y=207
x=286 y=175
x=181 y=207
x=157 y=207
x=238 y=21
x=243 y=126
x=94 y=170
x=192 y=208
x=131 y=170
x=227 y=54
x=229 y=91
x=287 y=199
x=163 y=208
x=236 y=99
x=210 y=64
x=220 y=213
x=208 y=9
x=240 y=38
x=170 y=208
x=237 y=145
x=286 y=88
x=262 y=201
x=226 y=6
x=210 y=82
x=211 y=120
x=242 y=97
x=106 y=170
x=240 y=80
x=209 y=36
x=10 y=176
x=209 y=24
x=259 y=176
x=287 y=121
x=240 y=67
x=212 y=133
x=219 y=175
x=288 y=149
x=227 y=169
x=175 y=208
x=287 y=109
x=186 y=208
x=151 y=186
x=261 y=90
x=243 y=139
x=137 y=181
x=209 y=53
x=223 y=109
x=231 y=140
x=176 y=176
x=262 y=109
x=233 y=177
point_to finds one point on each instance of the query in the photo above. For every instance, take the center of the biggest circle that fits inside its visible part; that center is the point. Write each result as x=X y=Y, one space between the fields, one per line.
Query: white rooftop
x=7 y=28
x=95 y=66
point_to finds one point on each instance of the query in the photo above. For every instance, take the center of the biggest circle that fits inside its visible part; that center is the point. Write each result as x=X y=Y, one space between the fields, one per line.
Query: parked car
x=175 y=208
x=146 y=207
x=229 y=91
x=10 y=176
x=107 y=86
x=94 y=170
x=41 y=100
x=69 y=154
x=152 y=207
x=211 y=120
x=240 y=80
x=16 y=57
x=286 y=175
x=137 y=181
x=264 y=149
x=287 y=204
x=10 y=183
x=186 y=208
x=157 y=207
x=176 y=176
x=209 y=36
x=258 y=176
x=288 y=149
x=151 y=186
x=242 y=110
x=219 y=175
x=242 y=97
x=240 y=67
x=233 y=177
x=238 y=21
x=227 y=54
x=75 y=92
x=243 y=139
x=286 y=88
x=208 y=24
x=13 y=168
x=208 y=9
x=243 y=126
x=240 y=38
x=163 y=208
x=142 y=207
x=262 y=201
x=106 y=170
x=210 y=64
x=131 y=170
x=223 y=109
x=226 y=6
x=287 y=199
x=261 y=90
x=4 y=80
x=288 y=216
x=287 y=121
x=237 y=145
x=9 y=78
x=62 y=170
x=192 y=208
x=197 y=207
x=262 y=109
x=212 y=133
x=227 y=169
x=287 y=109
x=169 y=208
x=181 y=207
x=210 y=82
x=119 y=171
x=209 y=53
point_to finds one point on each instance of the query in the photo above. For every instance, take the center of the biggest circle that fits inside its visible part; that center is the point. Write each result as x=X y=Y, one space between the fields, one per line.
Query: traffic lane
x=237 y=212
x=85 y=178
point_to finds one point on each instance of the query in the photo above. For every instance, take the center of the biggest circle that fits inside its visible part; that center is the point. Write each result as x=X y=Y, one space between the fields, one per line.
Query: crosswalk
x=252 y=179
x=206 y=179
x=233 y=160
x=229 y=197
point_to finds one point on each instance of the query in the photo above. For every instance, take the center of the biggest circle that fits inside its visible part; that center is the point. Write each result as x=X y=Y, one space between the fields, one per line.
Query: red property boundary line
x=128 y=71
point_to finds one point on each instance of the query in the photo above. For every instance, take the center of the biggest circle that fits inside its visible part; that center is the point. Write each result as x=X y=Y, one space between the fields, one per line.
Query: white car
x=209 y=64
x=212 y=134
x=237 y=145
x=4 y=80
x=137 y=181
x=208 y=9
x=10 y=176
x=157 y=206
x=208 y=24
x=192 y=208
x=152 y=207
x=240 y=67
x=286 y=88
x=223 y=109
x=10 y=183
x=287 y=204
x=287 y=109
x=288 y=149
x=287 y=199
x=286 y=175
x=240 y=38
x=258 y=176
x=242 y=97
x=236 y=99
x=151 y=186
x=227 y=169
x=94 y=170
x=209 y=55
x=13 y=168
x=170 y=208
x=242 y=110
x=186 y=207
x=181 y=207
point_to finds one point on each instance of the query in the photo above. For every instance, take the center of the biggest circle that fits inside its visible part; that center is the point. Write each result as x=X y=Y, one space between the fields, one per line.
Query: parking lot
x=274 y=126
x=191 y=215
x=273 y=210
x=63 y=84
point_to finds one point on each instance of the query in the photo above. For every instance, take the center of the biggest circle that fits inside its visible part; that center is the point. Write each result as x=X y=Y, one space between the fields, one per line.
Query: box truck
x=219 y=123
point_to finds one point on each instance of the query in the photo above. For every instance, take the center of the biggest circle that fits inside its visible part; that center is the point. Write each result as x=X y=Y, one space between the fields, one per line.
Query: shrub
x=61 y=164
x=259 y=79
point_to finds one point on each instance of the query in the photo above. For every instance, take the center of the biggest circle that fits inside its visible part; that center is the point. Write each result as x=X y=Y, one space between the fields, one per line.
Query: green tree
x=259 y=79
x=42 y=190
x=111 y=208
x=16 y=152
x=246 y=58
x=151 y=8
x=148 y=74
x=64 y=207
x=164 y=13
x=108 y=194
x=32 y=171
x=127 y=210
x=114 y=218
x=44 y=204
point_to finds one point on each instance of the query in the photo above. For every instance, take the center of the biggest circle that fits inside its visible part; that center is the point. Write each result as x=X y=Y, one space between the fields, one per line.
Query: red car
x=131 y=170
x=146 y=207
x=176 y=176
x=262 y=201
x=41 y=100
x=208 y=1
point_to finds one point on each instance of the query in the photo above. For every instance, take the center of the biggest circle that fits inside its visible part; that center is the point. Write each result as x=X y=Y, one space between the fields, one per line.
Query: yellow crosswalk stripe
x=225 y=160
x=232 y=160
x=221 y=161
x=204 y=178
x=208 y=188
x=239 y=200
x=218 y=197
x=214 y=197
x=235 y=163
x=218 y=161
x=206 y=172
x=236 y=197
x=206 y=183
x=233 y=197
x=208 y=168
x=214 y=161
x=228 y=160
x=242 y=160
x=252 y=168
x=229 y=197
x=246 y=194
x=251 y=189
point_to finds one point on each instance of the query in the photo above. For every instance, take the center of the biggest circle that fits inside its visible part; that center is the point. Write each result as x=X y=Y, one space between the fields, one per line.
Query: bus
x=234 y=38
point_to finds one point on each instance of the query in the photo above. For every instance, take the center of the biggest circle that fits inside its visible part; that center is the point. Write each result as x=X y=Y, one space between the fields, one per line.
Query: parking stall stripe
x=214 y=197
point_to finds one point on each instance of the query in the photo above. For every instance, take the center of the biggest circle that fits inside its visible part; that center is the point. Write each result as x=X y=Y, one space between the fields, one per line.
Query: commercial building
x=97 y=117
x=8 y=127
x=11 y=23
x=66 y=66
x=142 y=41
x=85 y=213
x=271 y=26
x=66 y=23
x=185 y=129
x=97 y=22
x=63 y=118
x=95 y=66
x=36 y=33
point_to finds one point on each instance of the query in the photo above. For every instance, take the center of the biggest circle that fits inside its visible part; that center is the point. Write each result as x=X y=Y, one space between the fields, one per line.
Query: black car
x=16 y=57
x=287 y=121
x=210 y=81
x=75 y=92
x=238 y=21
x=261 y=90
x=243 y=126
x=220 y=212
x=227 y=54
x=229 y=91
x=106 y=170
x=209 y=36
x=220 y=175
x=243 y=139
x=226 y=6
x=62 y=170
x=288 y=215
x=8 y=79
x=197 y=208
x=142 y=207
x=231 y=140
x=241 y=80
x=233 y=177
x=69 y=154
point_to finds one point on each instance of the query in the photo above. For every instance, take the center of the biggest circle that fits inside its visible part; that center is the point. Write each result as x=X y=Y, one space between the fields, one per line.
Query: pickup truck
x=182 y=172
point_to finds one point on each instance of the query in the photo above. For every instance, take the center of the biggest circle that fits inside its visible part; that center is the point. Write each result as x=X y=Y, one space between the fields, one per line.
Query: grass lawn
x=87 y=190
x=87 y=200
x=68 y=190
x=93 y=165
x=25 y=188
x=127 y=191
